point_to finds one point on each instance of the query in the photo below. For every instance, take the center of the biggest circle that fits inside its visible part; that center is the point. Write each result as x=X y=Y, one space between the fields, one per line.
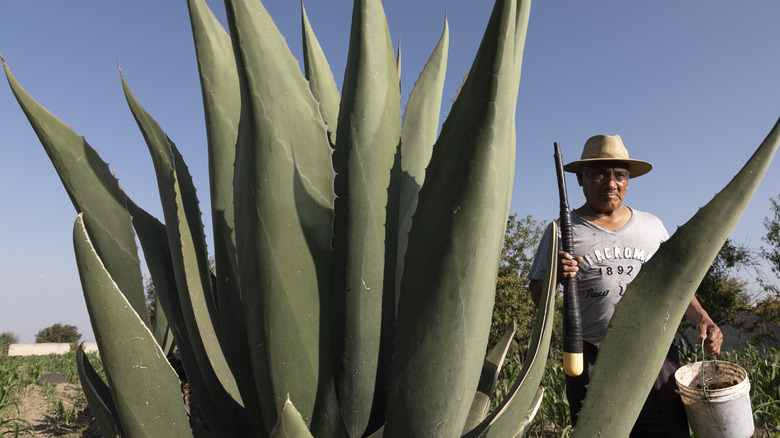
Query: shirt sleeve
x=538 y=265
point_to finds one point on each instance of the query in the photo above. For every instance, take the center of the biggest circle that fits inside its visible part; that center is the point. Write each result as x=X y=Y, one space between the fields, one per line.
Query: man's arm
x=705 y=327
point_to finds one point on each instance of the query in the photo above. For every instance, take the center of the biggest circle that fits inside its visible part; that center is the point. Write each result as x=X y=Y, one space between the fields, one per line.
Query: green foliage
x=58 y=333
x=513 y=301
x=19 y=373
x=11 y=393
x=772 y=225
x=6 y=339
x=722 y=292
x=762 y=320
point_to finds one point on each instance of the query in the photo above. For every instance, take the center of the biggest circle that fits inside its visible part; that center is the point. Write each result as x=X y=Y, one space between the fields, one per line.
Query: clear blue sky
x=692 y=87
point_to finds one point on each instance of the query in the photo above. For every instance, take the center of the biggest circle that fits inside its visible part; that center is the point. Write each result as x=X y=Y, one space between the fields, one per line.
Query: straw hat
x=608 y=148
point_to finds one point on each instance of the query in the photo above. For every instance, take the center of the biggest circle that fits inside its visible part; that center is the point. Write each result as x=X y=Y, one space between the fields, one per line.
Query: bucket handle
x=703 y=381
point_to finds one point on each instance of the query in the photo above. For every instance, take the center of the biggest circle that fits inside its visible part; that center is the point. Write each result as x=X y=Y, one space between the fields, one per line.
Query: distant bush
x=6 y=339
x=58 y=333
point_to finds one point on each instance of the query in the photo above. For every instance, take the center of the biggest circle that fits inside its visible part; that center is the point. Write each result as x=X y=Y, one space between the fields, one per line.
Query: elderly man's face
x=604 y=185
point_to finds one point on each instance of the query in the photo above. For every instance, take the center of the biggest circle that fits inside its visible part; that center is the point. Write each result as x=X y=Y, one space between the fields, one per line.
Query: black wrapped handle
x=572 y=325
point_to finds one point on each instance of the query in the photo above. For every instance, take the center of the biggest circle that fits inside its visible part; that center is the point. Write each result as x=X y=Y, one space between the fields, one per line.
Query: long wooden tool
x=572 y=326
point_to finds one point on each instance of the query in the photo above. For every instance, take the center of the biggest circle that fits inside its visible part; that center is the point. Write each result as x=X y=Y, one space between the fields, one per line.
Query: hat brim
x=636 y=168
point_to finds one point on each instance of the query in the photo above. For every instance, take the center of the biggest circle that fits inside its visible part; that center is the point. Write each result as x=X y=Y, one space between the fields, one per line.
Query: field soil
x=74 y=420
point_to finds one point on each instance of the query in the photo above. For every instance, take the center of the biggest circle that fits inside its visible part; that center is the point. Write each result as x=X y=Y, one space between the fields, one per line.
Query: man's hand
x=567 y=268
x=705 y=327
x=567 y=265
x=711 y=333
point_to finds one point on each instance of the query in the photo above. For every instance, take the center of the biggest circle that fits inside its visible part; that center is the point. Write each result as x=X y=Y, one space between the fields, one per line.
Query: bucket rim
x=711 y=395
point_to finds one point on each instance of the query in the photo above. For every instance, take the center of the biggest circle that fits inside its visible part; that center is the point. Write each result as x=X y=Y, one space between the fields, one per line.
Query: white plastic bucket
x=721 y=408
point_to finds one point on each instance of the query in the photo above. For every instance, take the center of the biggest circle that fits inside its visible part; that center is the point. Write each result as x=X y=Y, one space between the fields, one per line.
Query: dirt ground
x=75 y=420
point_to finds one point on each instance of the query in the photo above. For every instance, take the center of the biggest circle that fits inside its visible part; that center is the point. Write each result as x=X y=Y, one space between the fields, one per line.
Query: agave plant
x=317 y=290
x=355 y=256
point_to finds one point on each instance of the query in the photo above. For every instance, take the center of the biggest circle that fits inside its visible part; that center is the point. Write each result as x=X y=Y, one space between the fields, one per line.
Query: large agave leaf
x=367 y=139
x=290 y=424
x=162 y=332
x=98 y=396
x=154 y=241
x=644 y=323
x=487 y=380
x=418 y=134
x=505 y=420
x=222 y=108
x=448 y=285
x=189 y=259
x=284 y=202
x=526 y=420
x=94 y=190
x=521 y=29
x=146 y=389
x=317 y=71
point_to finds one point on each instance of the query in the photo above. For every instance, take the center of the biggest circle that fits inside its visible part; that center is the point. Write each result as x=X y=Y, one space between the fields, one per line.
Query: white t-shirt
x=612 y=261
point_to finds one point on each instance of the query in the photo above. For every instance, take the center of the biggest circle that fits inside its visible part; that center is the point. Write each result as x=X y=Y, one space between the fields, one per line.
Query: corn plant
x=11 y=393
x=355 y=255
x=763 y=369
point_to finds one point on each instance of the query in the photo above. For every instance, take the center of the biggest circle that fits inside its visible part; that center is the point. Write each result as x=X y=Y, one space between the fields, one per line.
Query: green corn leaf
x=190 y=265
x=93 y=190
x=645 y=321
x=487 y=381
x=98 y=396
x=454 y=247
x=418 y=134
x=320 y=76
x=284 y=215
x=505 y=420
x=367 y=140
x=290 y=424
x=146 y=389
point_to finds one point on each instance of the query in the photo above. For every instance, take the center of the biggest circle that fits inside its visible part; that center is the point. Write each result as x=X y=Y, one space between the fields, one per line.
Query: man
x=611 y=241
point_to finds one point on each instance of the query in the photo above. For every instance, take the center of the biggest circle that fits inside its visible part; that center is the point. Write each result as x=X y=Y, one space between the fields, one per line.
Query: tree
x=6 y=339
x=722 y=292
x=772 y=237
x=767 y=310
x=58 y=333
x=513 y=300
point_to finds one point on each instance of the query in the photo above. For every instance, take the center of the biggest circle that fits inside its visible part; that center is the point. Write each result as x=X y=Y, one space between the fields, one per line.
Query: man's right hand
x=567 y=265
x=567 y=268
